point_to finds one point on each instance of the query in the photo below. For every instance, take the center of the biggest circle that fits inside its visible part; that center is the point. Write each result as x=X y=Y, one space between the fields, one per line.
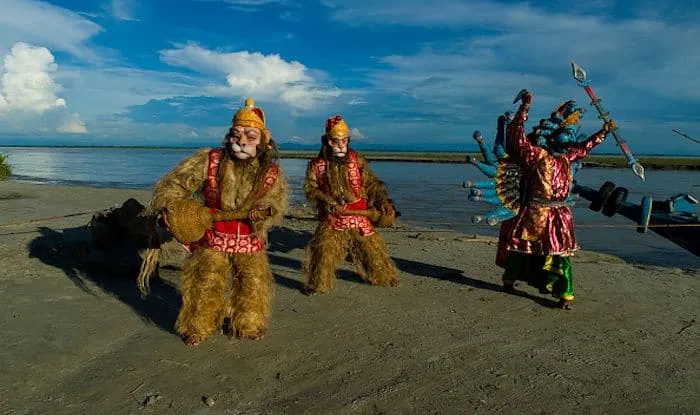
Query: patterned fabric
x=231 y=236
x=503 y=236
x=544 y=224
x=346 y=222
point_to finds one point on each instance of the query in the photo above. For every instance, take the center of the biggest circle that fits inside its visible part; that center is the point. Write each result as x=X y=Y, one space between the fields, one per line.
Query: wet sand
x=79 y=339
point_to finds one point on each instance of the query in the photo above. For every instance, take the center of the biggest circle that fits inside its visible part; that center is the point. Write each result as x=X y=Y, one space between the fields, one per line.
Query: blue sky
x=409 y=73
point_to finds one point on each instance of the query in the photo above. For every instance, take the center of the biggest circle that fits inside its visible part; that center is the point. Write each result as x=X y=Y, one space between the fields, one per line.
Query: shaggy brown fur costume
x=218 y=286
x=328 y=245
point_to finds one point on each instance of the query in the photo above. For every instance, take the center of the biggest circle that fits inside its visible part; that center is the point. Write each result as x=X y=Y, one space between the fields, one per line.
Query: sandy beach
x=79 y=339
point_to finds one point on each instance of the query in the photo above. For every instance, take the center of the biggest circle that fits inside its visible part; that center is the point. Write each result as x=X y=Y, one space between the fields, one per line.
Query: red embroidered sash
x=345 y=222
x=231 y=236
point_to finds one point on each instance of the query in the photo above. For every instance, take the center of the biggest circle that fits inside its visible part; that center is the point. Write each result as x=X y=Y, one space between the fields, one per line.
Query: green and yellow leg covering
x=559 y=280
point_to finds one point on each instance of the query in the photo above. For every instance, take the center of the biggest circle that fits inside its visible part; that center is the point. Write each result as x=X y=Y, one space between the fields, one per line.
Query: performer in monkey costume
x=350 y=201
x=220 y=204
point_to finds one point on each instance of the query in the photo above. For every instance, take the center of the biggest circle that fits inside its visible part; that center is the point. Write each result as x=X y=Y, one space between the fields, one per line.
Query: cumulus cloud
x=252 y=73
x=29 y=98
x=27 y=82
x=41 y=23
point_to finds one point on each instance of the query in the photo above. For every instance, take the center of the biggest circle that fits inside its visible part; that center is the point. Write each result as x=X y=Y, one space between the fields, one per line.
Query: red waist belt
x=230 y=236
x=345 y=222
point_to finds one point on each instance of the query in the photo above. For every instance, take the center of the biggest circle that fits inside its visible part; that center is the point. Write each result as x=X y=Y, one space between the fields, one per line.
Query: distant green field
x=649 y=162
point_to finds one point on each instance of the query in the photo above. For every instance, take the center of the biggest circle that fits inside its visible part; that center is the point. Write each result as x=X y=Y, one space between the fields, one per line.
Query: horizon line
x=311 y=148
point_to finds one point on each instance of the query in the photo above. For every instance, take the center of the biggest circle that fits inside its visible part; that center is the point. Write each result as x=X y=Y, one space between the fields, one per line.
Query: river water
x=427 y=194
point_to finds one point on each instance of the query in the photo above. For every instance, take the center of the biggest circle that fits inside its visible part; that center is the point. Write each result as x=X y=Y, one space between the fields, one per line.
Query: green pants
x=550 y=273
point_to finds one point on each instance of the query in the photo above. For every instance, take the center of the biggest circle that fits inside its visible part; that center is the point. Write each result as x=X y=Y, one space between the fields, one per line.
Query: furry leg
x=251 y=296
x=325 y=249
x=203 y=285
x=372 y=260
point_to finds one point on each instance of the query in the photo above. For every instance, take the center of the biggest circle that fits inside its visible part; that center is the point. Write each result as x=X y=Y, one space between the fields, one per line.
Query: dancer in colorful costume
x=244 y=193
x=350 y=202
x=503 y=188
x=543 y=229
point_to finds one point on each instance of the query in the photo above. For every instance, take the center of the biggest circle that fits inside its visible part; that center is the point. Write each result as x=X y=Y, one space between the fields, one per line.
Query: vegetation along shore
x=609 y=161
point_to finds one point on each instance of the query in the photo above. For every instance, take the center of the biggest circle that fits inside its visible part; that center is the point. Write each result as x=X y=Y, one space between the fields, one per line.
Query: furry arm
x=181 y=182
x=375 y=189
x=277 y=199
x=320 y=201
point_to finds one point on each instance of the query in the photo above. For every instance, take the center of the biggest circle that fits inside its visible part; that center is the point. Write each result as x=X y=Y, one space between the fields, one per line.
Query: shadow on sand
x=70 y=250
x=285 y=240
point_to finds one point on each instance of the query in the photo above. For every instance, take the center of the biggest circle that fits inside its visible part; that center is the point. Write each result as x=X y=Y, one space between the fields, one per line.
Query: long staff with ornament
x=580 y=76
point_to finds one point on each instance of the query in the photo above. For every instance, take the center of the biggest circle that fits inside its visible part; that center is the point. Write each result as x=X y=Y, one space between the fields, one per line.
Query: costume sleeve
x=182 y=182
x=517 y=142
x=277 y=198
x=319 y=200
x=375 y=189
x=581 y=150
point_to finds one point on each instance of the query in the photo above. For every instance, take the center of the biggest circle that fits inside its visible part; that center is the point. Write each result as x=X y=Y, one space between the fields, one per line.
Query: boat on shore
x=674 y=218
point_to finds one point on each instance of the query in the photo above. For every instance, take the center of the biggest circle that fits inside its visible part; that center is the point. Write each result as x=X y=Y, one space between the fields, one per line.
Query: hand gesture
x=260 y=212
x=337 y=209
x=608 y=126
x=525 y=96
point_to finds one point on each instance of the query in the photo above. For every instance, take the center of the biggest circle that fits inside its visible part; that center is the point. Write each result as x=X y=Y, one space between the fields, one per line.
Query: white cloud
x=644 y=68
x=251 y=73
x=356 y=134
x=73 y=125
x=252 y=5
x=657 y=55
x=99 y=92
x=123 y=10
x=29 y=98
x=44 y=24
x=27 y=82
x=357 y=101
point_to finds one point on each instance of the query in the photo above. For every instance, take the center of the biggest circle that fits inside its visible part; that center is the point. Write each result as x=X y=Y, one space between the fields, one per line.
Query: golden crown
x=337 y=126
x=250 y=116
